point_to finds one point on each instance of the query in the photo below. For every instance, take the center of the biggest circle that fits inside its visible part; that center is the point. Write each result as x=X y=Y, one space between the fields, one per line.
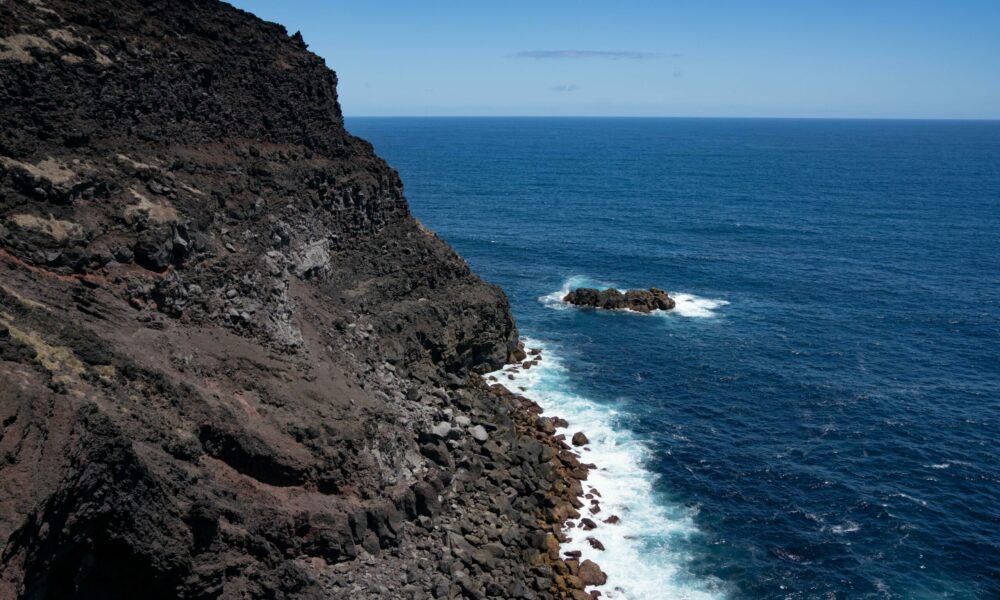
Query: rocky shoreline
x=232 y=364
x=574 y=574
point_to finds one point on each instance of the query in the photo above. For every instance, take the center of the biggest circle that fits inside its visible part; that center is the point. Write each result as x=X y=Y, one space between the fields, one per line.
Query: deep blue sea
x=820 y=417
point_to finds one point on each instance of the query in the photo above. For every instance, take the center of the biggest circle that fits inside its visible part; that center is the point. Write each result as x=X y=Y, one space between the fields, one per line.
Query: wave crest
x=691 y=306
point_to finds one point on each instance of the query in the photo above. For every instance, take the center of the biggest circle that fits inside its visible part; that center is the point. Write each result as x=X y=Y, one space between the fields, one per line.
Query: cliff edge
x=232 y=364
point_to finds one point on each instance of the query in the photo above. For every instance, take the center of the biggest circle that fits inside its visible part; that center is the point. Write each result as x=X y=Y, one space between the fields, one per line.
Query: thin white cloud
x=570 y=87
x=615 y=55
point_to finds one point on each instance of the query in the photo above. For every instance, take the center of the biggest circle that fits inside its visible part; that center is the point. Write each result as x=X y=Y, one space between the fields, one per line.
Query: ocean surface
x=820 y=416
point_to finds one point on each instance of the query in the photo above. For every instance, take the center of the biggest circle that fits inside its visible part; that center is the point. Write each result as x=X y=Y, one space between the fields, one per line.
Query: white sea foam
x=847 y=527
x=641 y=556
x=555 y=299
x=688 y=305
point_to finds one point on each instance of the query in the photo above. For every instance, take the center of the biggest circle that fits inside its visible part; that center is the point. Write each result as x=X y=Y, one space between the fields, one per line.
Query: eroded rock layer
x=231 y=363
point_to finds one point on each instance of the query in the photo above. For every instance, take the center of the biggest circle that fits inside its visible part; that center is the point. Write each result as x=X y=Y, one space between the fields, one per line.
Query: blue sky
x=878 y=58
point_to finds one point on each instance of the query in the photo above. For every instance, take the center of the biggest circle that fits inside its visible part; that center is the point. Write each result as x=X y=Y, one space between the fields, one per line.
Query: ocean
x=819 y=417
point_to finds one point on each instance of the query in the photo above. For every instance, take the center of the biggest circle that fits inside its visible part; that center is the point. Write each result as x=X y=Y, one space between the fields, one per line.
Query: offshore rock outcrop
x=227 y=348
x=643 y=301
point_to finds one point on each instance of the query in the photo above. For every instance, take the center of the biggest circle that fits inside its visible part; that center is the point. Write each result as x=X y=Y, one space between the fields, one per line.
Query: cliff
x=232 y=364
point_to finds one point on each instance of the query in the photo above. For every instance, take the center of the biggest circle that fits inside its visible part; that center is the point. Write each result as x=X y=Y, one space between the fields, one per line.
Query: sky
x=685 y=58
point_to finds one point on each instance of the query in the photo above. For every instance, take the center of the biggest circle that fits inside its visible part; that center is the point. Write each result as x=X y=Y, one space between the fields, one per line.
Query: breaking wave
x=642 y=553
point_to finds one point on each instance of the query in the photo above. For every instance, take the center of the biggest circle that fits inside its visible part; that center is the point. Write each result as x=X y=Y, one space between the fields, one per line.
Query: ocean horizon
x=349 y=118
x=817 y=416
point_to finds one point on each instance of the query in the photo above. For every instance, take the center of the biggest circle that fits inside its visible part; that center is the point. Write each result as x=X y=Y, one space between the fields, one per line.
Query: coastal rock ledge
x=643 y=301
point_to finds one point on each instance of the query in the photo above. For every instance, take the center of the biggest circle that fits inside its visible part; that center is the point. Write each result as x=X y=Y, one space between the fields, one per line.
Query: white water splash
x=641 y=555
x=554 y=300
x=691 y=306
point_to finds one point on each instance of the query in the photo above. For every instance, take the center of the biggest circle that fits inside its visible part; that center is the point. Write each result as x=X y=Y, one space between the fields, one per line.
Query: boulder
x=595 y=543
x=479 y=433
x=579 y=439
x=442 y=429
x=591 y=574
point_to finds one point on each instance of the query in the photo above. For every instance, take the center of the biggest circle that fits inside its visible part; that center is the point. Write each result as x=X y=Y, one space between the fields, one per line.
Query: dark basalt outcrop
x=226 y=345
x=643 y=301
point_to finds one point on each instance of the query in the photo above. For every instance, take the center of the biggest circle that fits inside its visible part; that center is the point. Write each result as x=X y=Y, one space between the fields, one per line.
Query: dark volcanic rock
x=225 y=344
x=643 y=301
x=591 y=574
x=595 y=543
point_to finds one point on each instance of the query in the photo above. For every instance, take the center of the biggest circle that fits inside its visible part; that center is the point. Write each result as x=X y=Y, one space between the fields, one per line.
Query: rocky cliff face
x=231 y=363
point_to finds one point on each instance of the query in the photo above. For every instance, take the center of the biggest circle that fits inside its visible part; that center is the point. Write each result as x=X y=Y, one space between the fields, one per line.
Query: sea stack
x=232 y=364
x=643 y=301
